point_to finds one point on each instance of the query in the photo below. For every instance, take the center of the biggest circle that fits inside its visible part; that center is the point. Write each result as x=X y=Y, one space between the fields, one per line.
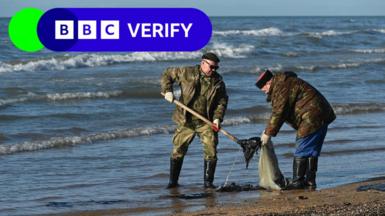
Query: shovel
x=249 y=146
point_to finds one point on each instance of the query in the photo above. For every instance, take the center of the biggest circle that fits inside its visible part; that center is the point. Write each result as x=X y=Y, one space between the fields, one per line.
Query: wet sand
x=342 y=200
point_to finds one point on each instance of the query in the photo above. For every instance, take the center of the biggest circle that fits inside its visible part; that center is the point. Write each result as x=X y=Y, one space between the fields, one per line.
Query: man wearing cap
x=203 y=90
x=299 y=104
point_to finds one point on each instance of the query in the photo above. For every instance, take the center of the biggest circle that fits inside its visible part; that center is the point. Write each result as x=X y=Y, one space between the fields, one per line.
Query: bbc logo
x=87 y=29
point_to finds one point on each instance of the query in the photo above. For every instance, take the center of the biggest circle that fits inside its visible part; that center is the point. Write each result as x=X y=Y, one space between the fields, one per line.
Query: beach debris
x=59 y=204
x=301 y=198
x=250 y=147
x=189 y=196
x=233 y=187
x=84 y=203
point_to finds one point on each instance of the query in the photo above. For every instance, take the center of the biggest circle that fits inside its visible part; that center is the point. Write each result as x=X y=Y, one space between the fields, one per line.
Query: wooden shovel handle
x=193 y=112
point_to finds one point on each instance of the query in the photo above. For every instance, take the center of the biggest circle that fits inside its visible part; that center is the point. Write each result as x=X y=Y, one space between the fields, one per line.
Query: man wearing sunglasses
x=203 y=90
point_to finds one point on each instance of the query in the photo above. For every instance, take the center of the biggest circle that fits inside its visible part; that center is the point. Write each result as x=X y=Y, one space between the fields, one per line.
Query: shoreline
x=340 y=200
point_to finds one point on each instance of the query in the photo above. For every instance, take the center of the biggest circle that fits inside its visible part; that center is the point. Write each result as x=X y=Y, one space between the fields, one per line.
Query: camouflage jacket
x=187 y=78
x=297 y=103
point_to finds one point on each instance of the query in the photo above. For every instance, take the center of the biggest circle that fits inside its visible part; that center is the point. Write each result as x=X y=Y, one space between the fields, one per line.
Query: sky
x=220 y=7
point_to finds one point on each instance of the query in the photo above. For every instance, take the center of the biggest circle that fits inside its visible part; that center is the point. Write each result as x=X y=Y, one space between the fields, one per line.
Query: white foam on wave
x=351 y=64
x=246 y=119
x=343 y=65
x=230 y=51
x=61 y=96
x=306 y=67
x=4 y=102
x=380 y=30
x=57 y=142
x=369 y=51
x=271 y=31
x=358 y=108
x=237 y=120
x=258 y=69
x=96 y=60
x=328 y=33
x=82 y=95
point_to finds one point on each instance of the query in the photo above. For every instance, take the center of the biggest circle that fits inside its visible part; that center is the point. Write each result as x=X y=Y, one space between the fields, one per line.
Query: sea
x=90 y=131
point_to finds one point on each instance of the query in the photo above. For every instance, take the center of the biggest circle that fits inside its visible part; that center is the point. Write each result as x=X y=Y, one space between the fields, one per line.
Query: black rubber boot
x=299 y=170
x=312 y=164
x=209 y=171
x=175 y=167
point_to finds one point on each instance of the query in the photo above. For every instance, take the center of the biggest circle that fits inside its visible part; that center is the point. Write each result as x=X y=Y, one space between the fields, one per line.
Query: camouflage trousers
x=184 y=135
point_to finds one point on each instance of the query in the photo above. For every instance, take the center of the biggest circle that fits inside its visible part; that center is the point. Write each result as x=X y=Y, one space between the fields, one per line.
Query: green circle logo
x=22 y=29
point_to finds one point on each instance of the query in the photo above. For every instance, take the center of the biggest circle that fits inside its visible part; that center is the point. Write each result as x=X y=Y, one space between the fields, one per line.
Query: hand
x=265 y=139
x=216 y=126
x=169 y=96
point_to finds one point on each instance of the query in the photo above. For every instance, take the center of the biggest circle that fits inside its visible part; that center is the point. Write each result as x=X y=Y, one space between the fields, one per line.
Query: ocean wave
x=271 y=31
x=249 y=110
x=73 y=116
x=348 y=151
x=82 y=95
x=274 y=31
x=231 y=51
x=236 y=118
x=59 y=142
x=61 y=96
x=380 y=30
x=351 y=151
x=357 y=108
x=317 y=67
x=5 y=102
x=328 y=33
x=361 y=126
x=64 y=62
x=257 y=114
x=369 y=51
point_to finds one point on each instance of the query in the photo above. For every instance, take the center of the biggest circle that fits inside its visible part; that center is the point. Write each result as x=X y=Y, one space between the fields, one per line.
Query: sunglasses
x=212 y=67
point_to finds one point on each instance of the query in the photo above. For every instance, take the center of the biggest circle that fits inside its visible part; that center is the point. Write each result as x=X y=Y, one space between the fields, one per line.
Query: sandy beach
x=342 y=200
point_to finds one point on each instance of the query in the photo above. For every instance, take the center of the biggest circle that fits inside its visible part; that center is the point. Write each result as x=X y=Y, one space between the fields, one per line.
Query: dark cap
x=211 y=56
x=263 y=79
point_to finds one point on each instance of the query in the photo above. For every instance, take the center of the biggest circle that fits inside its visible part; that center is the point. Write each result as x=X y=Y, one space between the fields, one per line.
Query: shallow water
x=83 y=131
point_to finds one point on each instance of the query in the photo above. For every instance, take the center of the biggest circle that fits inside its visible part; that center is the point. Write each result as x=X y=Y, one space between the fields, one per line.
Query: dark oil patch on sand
x=233 y=187
x=379 y=187
x=84 y=203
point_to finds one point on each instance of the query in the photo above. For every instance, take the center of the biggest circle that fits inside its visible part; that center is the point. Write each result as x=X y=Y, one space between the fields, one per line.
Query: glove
x=169 y=96
x=265 y=139
x=216 y=126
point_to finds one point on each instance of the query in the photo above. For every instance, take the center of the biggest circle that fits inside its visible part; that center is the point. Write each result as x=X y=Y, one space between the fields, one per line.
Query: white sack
x=270 y=176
